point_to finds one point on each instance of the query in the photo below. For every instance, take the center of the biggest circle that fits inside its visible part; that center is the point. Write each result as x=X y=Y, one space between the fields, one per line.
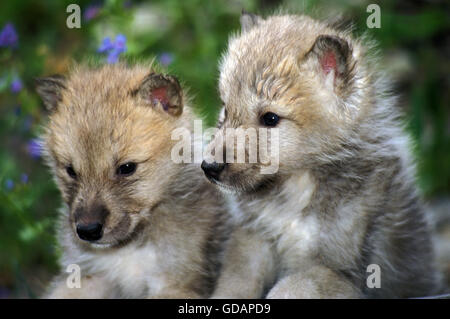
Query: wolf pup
x=341 y=218
x=137 y=224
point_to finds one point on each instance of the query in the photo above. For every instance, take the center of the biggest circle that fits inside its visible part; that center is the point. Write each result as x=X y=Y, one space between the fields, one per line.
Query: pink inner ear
x=160 y=94
x=328 y=62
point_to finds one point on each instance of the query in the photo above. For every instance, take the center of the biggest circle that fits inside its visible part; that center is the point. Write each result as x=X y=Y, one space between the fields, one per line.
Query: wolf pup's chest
x=283 y=218
x=137 y=271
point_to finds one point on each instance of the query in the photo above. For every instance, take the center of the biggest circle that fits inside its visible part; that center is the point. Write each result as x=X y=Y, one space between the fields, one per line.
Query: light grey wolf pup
x=137 y=224
x=344 y=196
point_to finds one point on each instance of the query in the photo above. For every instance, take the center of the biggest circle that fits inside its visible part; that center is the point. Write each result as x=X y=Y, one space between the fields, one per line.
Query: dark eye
x=71 y=172
x=126 y=169
x=270 y=119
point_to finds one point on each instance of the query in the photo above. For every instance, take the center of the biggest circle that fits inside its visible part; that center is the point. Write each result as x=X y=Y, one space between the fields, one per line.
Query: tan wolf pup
x=136 y=223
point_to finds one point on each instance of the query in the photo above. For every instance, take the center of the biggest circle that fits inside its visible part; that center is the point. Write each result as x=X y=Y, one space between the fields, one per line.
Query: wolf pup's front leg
x=317 y=282
x=248 y=268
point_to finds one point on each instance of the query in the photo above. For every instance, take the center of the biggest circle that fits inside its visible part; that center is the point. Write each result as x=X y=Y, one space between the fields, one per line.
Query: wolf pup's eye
x=71 y=172
x=270 y=119
x=126 y=169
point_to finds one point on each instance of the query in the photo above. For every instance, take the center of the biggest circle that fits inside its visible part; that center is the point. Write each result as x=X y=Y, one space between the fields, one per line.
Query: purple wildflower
x=120 y=42
x=106 y=45
x=114 y=49
x=16 y=85
x=8 y=36
x=166 y=58
x=34 y=148
x=24 y=178
x=113 y=56
x=9 y=184
x=91 y=12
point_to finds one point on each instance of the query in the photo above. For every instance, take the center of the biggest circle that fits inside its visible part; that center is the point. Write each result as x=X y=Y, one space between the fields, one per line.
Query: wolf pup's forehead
x=112 y=109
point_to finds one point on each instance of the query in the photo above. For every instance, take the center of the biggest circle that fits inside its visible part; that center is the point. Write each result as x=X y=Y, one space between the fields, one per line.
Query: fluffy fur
x=163 y=226
x=344 y=196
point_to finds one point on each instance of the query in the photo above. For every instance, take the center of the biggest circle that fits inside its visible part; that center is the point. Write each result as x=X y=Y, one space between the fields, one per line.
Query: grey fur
x=345 y=194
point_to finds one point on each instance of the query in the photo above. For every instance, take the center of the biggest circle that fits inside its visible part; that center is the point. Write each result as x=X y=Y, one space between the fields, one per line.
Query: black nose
x=90 y=232
x=212 y=170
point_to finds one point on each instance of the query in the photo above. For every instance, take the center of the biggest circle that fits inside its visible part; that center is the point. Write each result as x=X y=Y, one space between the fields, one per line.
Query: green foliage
x=189 y=37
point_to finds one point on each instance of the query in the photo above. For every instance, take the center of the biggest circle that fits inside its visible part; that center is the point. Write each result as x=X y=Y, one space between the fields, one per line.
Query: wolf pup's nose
x=90 y=232
x=212 y=170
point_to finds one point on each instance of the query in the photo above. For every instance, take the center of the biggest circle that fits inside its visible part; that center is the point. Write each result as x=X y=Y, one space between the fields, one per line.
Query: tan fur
x=162 y=234
x=344 y=195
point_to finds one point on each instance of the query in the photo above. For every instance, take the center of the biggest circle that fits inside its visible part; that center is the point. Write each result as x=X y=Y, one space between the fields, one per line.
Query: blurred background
x=188 y=37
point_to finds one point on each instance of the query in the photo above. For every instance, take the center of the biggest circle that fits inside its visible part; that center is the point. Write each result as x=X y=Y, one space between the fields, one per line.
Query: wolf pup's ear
x=49 y=89
x=163 y=92
x=333 y=56
x=249 y=20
